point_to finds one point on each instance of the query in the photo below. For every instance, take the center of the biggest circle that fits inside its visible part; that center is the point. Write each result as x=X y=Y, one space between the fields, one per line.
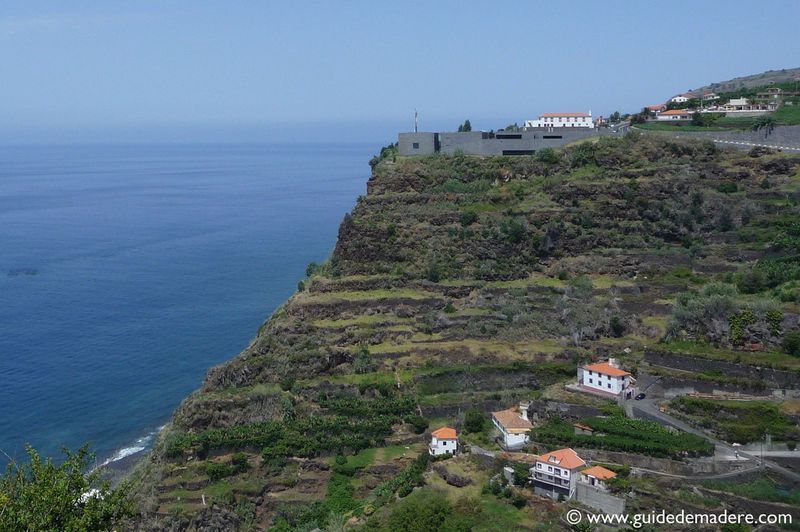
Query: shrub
x=474 y=420
x=547 y=156
x=791 y=343
x=468 y=218
x=617 y=326
x=419 y=423
x=728 y=187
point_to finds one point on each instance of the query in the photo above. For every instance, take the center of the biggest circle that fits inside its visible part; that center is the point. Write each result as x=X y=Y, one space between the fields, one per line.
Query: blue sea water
x=127 y=271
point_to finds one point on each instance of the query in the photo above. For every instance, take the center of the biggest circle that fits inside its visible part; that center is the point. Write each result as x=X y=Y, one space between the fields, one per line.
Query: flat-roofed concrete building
x=524 y=142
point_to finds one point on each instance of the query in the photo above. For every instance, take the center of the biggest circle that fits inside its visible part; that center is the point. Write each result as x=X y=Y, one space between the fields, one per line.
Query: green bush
x=468 y=218
x=728 y=187
x=791 y=343
x=38 y=494
x=474 y=420
x=547 y=156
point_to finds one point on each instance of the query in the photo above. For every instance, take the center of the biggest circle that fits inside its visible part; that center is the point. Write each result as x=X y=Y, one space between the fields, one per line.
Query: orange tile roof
x=445 y=433
x=566 y=458
x=677 y=112
x=512 y=421
x=548 y=115
x=600 y=473
x=656 y=106
x=605 y=368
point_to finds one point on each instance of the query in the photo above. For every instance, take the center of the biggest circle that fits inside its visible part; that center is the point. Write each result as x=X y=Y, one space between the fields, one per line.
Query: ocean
x=127 y=271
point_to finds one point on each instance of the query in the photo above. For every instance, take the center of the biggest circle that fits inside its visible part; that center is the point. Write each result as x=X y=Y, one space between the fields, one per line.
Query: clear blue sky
x=236 y=70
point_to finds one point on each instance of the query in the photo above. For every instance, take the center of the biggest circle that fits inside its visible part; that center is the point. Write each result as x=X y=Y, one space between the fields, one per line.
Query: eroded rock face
x=451 y=478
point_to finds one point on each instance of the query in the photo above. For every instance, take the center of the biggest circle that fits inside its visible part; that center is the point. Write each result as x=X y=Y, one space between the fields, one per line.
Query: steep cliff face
x=461 y=281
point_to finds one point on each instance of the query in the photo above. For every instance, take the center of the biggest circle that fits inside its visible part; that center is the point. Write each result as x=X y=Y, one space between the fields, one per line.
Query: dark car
x=640 y=397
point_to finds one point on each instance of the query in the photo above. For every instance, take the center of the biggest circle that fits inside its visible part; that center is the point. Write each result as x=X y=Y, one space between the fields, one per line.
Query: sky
x=180 y=71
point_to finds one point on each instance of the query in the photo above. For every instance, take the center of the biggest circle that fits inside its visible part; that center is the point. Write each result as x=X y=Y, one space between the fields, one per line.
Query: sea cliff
x=463 y=282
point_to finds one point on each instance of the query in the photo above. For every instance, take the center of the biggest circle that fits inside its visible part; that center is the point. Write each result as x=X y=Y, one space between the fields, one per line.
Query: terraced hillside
x=463 y=282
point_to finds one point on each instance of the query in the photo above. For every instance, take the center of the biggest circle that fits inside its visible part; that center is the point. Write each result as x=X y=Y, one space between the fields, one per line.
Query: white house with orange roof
x=675 y=114
x=555 y=474
x=443 y=441
x=607 y=379
x=681 y=98
x=562 y=120
x=514 y=426
x=597 y=477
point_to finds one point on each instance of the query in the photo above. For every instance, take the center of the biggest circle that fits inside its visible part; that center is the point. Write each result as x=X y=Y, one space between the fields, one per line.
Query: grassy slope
x=422 y=302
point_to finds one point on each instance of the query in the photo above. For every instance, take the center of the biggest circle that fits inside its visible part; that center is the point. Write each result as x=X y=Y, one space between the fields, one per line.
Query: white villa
x=607 y=379
x=562 y=120
x=675 y=114
x=513 y=425
x=443 y=441
x=681 y=98
x=556 y=474
x=597 y=477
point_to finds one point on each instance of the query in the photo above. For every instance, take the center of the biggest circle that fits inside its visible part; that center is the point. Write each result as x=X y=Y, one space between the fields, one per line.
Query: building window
x=590 y=381
x=415 y=145
x=609 y=385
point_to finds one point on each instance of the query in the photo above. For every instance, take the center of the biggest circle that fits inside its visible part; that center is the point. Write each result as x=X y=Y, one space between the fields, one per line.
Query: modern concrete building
x=525 y=142
x=561 y=120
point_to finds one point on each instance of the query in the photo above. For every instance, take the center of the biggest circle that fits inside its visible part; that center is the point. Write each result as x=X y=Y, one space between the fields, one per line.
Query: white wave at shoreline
x=141 y=444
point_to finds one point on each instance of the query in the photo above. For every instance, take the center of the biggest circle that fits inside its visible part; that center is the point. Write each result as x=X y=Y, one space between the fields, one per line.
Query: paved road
x=722 y=450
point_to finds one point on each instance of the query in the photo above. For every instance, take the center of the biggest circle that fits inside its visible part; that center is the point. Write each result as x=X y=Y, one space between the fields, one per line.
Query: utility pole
x=416 y=121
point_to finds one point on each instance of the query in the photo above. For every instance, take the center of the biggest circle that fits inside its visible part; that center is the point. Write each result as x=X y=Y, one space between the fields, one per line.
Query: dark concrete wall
x=482 y=143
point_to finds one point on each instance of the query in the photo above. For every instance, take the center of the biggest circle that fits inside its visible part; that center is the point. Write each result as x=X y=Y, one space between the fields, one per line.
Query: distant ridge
x=746 y=82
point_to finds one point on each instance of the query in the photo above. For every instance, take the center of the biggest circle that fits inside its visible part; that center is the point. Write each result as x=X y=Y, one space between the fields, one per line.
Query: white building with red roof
x=675 y=114
x=597 y=477
x=514 y=426
x=443 y=441
x=681 y=98
x=607 y=379
x=556 y=473
x=551 y=120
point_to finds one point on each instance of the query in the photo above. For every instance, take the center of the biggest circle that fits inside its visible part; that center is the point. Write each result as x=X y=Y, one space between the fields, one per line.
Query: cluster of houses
x=762 y=103
x=555 y=474
x=558 y=473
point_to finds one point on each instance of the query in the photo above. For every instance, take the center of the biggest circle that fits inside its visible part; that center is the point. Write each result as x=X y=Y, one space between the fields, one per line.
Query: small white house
x=681 y=98
x=514 y=426
x=597 y=477
x=443 y=441
x=607 y=379
x=549 y=120
x=556 y=473
x=675 y=114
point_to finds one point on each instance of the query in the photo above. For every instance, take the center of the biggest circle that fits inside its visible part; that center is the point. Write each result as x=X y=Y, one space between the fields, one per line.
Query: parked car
x=640 y=397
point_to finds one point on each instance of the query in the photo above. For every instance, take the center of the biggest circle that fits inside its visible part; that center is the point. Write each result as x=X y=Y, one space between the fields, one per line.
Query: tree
x=766 y=123
x=615 y=117
x=474 y=420
x=41 y=495
x=466 y=126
